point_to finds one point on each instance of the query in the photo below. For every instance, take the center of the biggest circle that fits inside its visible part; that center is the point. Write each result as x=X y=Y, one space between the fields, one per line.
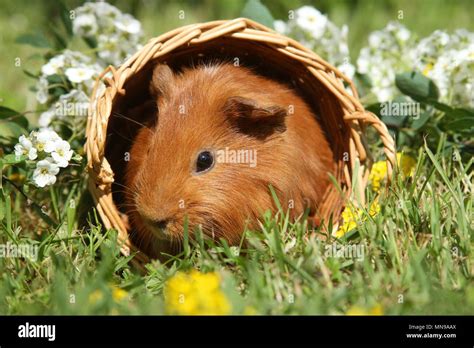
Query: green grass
x=418 y=257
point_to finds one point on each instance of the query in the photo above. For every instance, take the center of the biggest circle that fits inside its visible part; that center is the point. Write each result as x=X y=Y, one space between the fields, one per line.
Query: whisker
x=115 y=113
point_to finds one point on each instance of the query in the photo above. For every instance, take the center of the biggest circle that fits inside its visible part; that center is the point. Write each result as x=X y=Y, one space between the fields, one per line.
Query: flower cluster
x=50 y=151
x=66 y=70
x=315 y=31
x=195 y=293
x=116 y=35
x=447 y=59
x=379 y=170
x=352 y=216
x=66 y=81
x=117 y=294
x=389 y=51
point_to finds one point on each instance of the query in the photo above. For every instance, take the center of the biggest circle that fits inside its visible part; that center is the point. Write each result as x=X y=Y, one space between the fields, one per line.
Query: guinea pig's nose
x=161 y=224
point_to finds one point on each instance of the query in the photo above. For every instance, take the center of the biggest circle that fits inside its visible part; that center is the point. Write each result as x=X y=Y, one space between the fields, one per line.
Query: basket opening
x=263 y=59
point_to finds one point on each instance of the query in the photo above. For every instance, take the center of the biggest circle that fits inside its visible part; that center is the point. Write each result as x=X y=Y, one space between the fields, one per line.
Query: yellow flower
x=407 y=164
x=378 y=173
x=428 y=68
x=96 y=296
x=249 y=310
x=118 y=294
x=352 y=215
x=195 y=293
x=357 y=310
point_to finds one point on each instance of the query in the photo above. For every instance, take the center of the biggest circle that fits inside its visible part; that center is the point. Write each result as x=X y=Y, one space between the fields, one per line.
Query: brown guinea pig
x=221 y=136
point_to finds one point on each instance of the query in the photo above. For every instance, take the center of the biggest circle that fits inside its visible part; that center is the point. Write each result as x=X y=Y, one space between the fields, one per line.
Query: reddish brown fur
x=295 y=159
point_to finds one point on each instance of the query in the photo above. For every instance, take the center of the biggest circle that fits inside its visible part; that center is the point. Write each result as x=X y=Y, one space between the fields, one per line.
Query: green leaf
x=54 y=79
x=258 y=12
x=36 y=40
x=2 y=203
x=463 y=124
x=35 y=56
x=455 y=119
x=65 y=18
x=77 y=158
x=60 y=42
x=13 y=159
x=7 y=114
x=453 y=113
x=11 y=130
x=421 y=121
x=91 y=42
x=417 y=86
x=30 y=74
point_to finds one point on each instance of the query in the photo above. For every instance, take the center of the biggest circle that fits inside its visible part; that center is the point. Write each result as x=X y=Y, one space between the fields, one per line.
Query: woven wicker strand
x=355 y=118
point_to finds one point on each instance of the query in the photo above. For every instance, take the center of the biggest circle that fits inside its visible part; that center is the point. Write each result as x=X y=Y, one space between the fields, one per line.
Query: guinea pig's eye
x=205 y=161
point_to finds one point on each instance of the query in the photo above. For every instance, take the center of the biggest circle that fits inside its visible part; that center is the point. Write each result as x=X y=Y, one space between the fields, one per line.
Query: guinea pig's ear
x=253 y=119
x=161 y=80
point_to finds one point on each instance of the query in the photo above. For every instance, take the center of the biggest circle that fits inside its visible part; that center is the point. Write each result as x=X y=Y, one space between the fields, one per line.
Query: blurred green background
x=157 y=16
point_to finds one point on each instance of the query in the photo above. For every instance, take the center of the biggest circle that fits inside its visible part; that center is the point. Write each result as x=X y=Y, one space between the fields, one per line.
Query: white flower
x=462 y=37
x=363 y=61
x=85 y=25
x=62 y=153
x=109 y=49
x=42 y=90
x=449 y=61
x=46 y=118
x=375 y=38
x=25 y=147
x=403 y=34
x=79 y=74
x=280 y=26
x=384 y=94
x=118 y=35
x=53 y=66
x=347 y=69
x=310 y=19
x=428 y=50
x=315 y=31
x=104 y=9
x=128 y=24
x=44 y=140
x=453 y=73
x=74 y=58
x=389 y=52
x=76 y=66
x=74 y=103
x=45 y=172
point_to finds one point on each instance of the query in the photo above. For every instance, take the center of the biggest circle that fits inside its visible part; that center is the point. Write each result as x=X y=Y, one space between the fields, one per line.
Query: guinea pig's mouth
x=159 y=229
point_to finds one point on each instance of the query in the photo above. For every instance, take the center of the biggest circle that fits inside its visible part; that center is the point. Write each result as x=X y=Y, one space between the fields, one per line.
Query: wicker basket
x=342 y=116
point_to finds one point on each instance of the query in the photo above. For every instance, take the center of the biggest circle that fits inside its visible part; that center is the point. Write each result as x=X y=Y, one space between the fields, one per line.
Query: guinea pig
x=220 y=136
